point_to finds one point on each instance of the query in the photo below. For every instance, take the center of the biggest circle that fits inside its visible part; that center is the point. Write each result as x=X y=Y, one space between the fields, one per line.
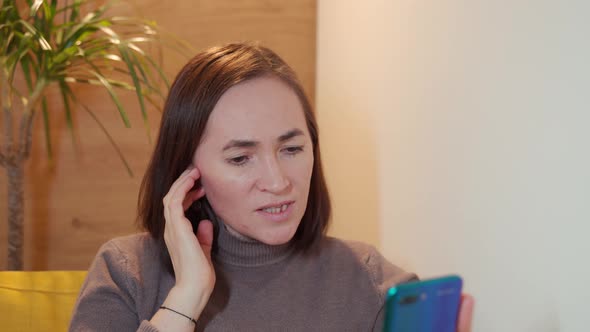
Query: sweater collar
x=242 y=251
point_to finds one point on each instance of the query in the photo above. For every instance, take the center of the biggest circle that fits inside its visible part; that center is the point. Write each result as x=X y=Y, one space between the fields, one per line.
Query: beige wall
x=348 y=65
x=456 y=135
x=82 y=201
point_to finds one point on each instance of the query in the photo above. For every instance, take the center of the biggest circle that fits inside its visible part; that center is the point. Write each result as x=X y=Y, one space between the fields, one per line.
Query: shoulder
x=356 y=249
x=366 y=257
x=127 y=257
x=121 y=285
x=130 y=247
x=351 y=251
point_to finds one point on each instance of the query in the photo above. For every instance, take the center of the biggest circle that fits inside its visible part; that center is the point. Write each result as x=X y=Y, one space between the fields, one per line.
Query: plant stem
x=13 y=158
x=15 y=175
x=6 y=148
x=26 y=125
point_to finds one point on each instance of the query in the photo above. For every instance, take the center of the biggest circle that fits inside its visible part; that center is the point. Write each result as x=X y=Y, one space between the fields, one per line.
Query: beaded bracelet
x=180 y=313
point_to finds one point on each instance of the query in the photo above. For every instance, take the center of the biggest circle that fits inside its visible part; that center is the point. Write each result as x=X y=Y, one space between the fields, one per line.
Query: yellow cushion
x=38 y=301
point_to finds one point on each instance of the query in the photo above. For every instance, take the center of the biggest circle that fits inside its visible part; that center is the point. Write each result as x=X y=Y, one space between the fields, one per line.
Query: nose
x=272 y=177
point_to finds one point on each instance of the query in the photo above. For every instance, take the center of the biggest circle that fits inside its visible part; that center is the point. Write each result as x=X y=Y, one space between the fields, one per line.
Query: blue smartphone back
x=424 y=306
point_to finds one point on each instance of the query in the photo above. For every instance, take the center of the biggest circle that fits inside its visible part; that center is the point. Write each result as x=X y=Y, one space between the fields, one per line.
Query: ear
x=193 y=165
x=198 y=185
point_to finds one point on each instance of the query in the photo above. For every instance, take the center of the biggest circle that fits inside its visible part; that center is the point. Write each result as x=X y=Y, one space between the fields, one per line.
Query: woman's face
x=256 y=160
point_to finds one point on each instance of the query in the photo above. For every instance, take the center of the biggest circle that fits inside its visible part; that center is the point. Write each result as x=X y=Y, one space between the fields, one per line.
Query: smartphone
x=430 y=305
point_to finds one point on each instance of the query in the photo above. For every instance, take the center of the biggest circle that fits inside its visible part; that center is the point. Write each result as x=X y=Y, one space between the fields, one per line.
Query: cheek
x=224 y=189
x=304 y=170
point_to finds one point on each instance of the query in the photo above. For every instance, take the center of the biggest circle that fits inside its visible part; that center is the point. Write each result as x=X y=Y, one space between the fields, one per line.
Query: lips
x=279 y=212
x=275 y=207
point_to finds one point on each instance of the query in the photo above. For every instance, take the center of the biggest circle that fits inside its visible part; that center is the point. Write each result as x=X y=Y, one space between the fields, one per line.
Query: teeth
x=275 y=210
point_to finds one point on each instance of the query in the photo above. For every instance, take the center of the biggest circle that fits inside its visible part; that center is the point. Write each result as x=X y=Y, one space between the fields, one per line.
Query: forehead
x=261 y=108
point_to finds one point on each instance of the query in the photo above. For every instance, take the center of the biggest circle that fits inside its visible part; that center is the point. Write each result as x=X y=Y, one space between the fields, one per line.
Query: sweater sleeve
x=107 y=298
x=384 y=275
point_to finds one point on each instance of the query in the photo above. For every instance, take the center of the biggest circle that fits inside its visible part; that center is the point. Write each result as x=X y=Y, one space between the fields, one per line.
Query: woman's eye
x=293 y=149
x=241 y=160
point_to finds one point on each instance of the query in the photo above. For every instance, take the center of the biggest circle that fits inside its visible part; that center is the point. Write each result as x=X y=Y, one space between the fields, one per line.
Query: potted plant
x=78 y=42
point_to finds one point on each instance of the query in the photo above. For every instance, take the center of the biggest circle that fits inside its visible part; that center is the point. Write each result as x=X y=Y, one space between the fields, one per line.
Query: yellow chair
x=38 y=301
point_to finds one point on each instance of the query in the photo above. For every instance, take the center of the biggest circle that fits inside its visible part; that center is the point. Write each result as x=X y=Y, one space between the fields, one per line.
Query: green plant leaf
x=114 y=83
x=65 y=55
x=106 y=133
x=64 y=89
x=84 y=45
x=49 y=10
x=35 y=7
x=147 y=78
x=160 y=71
x=26 y=66
x=89 y=23
x=157 y=106
x=47 y=127
x=42 y=41
x=107 y=85
x=138 y=91
x=17 y=56
x=75 y=10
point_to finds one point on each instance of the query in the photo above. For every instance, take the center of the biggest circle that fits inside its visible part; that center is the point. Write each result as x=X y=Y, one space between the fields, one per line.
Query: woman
x=236 y=207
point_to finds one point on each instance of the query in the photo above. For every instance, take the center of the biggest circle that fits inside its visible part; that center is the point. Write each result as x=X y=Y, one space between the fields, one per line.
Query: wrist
x=191 y=319
x=186 y=300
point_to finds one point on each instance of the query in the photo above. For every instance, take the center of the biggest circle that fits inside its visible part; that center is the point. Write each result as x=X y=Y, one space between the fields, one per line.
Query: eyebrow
x=239 y=143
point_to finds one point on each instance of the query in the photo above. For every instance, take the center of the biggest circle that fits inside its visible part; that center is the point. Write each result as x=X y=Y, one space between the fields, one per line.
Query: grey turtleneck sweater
x=259 y=287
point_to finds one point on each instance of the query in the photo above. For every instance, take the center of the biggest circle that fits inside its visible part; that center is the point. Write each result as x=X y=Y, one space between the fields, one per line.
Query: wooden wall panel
x=84 y=198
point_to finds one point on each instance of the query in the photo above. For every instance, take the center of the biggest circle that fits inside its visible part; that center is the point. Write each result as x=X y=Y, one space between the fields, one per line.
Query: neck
x=234 y=248
x=237 y=234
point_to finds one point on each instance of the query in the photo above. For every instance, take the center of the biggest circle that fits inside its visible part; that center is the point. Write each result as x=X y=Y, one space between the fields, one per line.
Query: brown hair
x=192 y=97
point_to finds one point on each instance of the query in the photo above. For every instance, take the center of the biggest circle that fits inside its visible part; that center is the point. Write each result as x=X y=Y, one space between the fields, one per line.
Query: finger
x=178 y=179
x=189 y=173
x=176 y=197
x=191 y=197
x=466 y=313
x=172 y=192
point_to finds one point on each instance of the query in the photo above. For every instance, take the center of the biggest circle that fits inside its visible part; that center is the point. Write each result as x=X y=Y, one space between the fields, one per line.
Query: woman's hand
x=465 y=313
x=190 y=255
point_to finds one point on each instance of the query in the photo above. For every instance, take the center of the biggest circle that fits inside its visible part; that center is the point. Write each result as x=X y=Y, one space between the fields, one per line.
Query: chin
x=278 y=237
